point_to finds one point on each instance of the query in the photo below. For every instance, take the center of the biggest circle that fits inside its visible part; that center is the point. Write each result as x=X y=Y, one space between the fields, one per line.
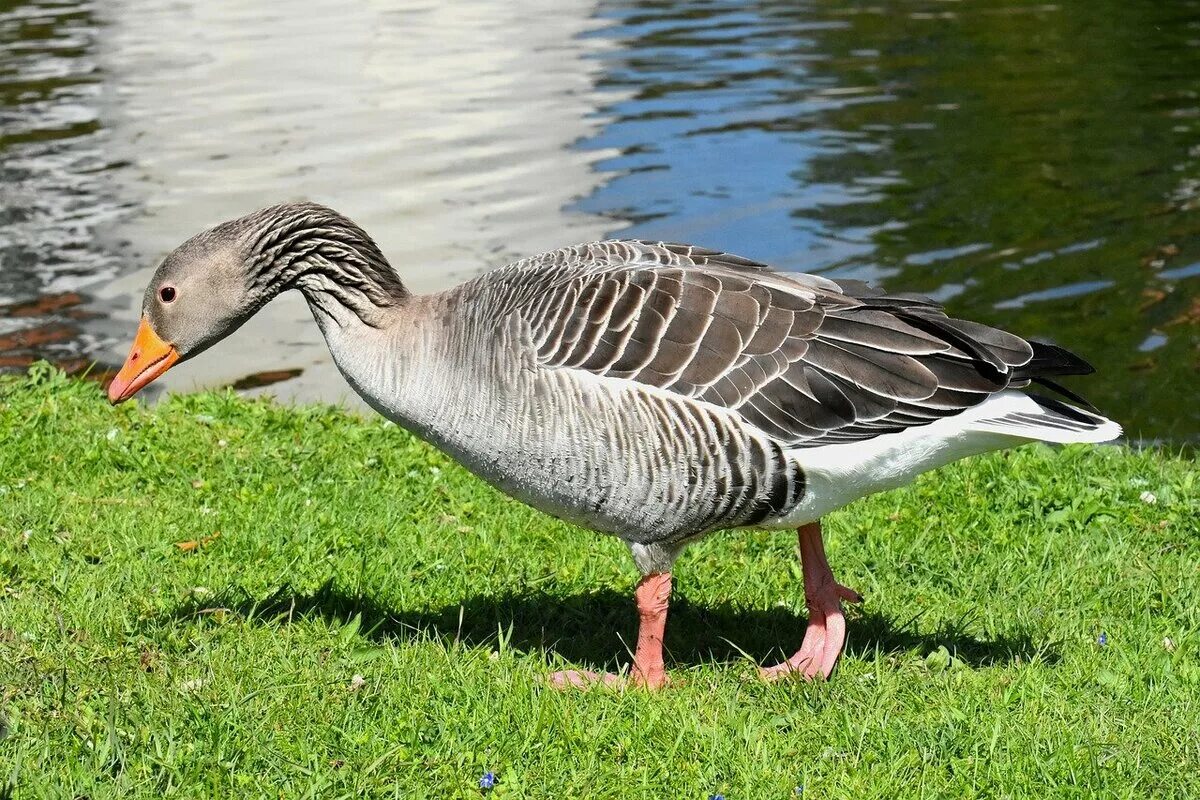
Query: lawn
x=222 y=597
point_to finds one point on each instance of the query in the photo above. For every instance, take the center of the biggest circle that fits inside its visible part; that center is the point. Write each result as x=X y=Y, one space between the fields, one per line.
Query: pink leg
x=826 y=634
x=653 y=594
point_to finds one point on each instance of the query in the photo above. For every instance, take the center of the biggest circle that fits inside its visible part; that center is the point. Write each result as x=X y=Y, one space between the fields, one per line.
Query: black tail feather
x=1055 y=386
x=1070 y=412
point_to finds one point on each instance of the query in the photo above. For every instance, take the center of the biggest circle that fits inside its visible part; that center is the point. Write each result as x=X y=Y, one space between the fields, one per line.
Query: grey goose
x=657 y=392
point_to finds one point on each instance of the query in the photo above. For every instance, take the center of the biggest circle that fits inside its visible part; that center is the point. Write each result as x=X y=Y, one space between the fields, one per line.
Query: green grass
x=131 y=668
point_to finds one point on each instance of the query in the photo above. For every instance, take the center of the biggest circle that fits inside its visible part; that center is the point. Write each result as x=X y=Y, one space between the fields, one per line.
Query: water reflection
x=54 y=191
x=1031 y=165
x=721 y=129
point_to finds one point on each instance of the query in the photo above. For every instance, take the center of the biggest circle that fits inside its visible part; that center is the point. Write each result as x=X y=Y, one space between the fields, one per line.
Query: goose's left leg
x=653 y=595
x=826 y=634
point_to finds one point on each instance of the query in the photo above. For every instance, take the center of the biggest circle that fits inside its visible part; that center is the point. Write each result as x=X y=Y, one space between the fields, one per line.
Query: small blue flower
x=716 y=797
x=488 y=781
x=1102 y=639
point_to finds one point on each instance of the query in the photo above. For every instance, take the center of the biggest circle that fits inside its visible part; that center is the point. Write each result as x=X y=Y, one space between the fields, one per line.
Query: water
x=1034 y=166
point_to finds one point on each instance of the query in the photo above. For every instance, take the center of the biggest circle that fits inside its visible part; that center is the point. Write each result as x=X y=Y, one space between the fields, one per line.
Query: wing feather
x=806 y=359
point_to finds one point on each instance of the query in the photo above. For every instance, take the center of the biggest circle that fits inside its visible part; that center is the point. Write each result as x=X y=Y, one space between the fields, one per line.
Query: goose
x=657 y=392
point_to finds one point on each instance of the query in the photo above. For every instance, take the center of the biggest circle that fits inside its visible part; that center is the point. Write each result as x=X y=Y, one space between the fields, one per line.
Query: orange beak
x=149 y=357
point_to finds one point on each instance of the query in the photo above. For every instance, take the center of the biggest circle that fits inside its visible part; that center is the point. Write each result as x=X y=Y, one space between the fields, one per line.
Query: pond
x=1034 y=166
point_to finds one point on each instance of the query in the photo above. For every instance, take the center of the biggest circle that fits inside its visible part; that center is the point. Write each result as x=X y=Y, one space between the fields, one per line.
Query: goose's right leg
x=826 y=634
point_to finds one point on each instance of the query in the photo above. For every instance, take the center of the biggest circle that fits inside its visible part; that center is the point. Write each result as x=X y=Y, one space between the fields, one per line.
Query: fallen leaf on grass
x=194 y=544
x=1189 y=317
x=1151 y=298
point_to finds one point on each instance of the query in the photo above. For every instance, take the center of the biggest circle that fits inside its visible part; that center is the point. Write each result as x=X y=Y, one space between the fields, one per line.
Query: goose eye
x=167 y=293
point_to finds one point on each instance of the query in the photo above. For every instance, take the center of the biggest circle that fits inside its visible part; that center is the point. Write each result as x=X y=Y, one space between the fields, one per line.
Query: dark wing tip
x=1050 y=359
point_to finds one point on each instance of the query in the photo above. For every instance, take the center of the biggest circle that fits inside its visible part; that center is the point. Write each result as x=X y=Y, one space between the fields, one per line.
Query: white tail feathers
x=837 y=474
x=1024 y=417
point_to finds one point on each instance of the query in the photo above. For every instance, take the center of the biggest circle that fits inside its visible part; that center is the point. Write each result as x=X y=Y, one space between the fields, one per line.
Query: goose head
x=212 y=283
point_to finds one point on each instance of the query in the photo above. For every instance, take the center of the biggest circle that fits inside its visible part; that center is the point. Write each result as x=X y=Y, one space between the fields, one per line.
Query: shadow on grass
x=596 y=629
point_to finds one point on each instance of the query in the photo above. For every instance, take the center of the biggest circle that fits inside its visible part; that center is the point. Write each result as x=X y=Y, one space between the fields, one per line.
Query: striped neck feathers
x=331 y=260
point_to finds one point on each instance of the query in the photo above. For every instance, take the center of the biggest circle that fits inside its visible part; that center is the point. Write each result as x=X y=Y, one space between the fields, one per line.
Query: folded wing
x=808 y=360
